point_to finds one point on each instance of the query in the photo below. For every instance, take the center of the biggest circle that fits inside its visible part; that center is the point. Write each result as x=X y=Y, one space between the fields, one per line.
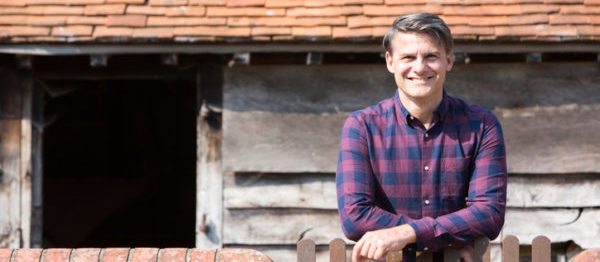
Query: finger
x=379 y=254
x=372 y=250
x=364 y=251
x=356 y=250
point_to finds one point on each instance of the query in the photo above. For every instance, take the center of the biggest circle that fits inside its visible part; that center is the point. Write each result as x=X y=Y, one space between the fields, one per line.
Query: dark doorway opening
x=120 y=163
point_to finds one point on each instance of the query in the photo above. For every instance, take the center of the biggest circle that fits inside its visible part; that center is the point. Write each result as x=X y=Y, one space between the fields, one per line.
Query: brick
x=455 y=19
x=13 y=3
x=15 y=11
x=138 y=2
x=56 y=254
x=207 y=2
x=405 y=2
x=286 y=21
x=528 y=19
x=260 y=38
x=46 y=20
x=5 y=254
x=563 y=1
x=201 y=255
x=282 y=38
x=155 y=32
x=562 y=31
x=325 y=11
x=379 y=31
x=595 y=20
x=114 y=9
x=318 y=31
x=144 y=255
x=250 y=11
x=591 y=2
x=521 y=30
x=75 y=30
x=115 y=255
x=86 y=20
x=380 y=10
x=245 y=3
x=126 y=20
x=365 y=21
x=257 y=31
x=23 y=31
x=13 y=20
x=471 y=30
x=284 y=3
x=186 y=11
x=85 y=254
x=356 y=2
x=579 y=9
x=501 y=10
x=213 y=31
x=540 y=9
x=27 y=255
x=345 y=32
x=104 y=32
x=523 y=1
x=64 y=2
x=168 y=2
x=569 y=19
x=42 y=10
x=230 y=254
x=145 y=10
x=185 y=21
x=172 y=254
x=588 y=30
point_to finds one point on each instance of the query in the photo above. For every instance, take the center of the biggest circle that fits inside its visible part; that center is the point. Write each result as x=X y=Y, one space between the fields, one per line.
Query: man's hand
x=377 y=244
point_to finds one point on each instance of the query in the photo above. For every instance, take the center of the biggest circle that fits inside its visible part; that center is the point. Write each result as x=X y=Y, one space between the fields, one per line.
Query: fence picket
x=306 y=251
x=337 y=250
x=510 y=249
x=540 y=250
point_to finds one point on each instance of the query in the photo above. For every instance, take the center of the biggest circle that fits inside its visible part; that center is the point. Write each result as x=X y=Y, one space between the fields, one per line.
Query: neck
x=422 y=109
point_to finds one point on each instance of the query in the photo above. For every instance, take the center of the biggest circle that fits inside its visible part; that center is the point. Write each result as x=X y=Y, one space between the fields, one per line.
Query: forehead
x=414 y=41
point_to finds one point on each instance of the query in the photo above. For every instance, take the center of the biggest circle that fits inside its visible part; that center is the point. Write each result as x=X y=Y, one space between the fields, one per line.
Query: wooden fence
x=541 y=251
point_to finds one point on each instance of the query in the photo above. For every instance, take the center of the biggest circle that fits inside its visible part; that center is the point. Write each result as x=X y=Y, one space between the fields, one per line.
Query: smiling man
x=420 y=171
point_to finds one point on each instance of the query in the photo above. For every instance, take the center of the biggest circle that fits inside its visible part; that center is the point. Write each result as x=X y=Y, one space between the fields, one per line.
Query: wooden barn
x=215 y=123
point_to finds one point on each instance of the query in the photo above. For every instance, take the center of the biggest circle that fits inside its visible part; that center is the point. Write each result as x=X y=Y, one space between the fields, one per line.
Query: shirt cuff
x=425 y=233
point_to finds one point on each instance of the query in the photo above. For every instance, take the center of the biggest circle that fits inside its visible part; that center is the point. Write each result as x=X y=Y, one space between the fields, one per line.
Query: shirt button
x=412 y=118
x=426 y=201
x=426 y=134
x=426 y=168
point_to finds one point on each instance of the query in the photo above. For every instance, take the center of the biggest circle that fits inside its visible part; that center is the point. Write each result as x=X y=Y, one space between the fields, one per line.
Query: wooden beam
x=26 y=164
x=336 y=47
x=209 y=178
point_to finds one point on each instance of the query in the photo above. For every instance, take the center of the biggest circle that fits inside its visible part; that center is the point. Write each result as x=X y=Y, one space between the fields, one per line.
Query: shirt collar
x=403 y=115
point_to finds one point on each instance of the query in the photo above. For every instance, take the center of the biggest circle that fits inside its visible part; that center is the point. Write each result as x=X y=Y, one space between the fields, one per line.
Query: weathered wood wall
x=280 y=140
x=15 y=159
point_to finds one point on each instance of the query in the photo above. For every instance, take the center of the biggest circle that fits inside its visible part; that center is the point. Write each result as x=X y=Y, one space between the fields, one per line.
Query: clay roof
x=77 y=21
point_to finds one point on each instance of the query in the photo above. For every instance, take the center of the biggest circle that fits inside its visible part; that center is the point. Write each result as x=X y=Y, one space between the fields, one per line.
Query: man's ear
x=450 y=61
x=389 y=61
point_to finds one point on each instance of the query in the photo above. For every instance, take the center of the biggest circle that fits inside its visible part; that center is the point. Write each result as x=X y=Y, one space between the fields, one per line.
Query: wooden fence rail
x=541 y=251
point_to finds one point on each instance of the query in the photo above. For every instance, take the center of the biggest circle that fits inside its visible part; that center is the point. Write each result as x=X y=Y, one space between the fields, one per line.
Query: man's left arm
x=486 y=200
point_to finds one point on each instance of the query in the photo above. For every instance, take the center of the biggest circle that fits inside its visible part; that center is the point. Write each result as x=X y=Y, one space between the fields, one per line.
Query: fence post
x=510 y=249
x=337 y=250
x=540 y=250
x=306 y=251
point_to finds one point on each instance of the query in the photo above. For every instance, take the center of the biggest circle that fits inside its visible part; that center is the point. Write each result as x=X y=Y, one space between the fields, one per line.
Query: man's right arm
x=355 y=182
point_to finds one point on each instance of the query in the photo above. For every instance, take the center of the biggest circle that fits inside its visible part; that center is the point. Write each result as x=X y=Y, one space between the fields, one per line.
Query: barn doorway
x=119 y=166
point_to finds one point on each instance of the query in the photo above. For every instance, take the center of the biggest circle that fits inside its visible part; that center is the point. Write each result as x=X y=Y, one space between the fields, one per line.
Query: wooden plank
x=209 y=179
x=296 y=142
x=26 y=161
x=337 y=250
x=510 y=249
x=287 y=226
x=280 y=226
x=288 y=142
x=306 y=251
x=540 y=250
x=346 y=88
x=260 y=190
x=317 y=190
x=11 y=106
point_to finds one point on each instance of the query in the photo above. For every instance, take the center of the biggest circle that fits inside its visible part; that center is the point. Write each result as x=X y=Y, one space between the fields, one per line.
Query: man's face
x=419 y=65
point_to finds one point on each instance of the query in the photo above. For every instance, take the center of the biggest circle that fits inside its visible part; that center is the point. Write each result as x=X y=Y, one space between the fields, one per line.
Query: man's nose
x=419 y=65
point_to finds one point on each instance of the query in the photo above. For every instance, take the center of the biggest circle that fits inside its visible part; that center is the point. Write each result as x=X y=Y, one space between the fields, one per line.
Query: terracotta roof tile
x=288 y=20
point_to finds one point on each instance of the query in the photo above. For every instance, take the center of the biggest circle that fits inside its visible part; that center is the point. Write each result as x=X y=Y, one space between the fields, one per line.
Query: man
x=421 y=171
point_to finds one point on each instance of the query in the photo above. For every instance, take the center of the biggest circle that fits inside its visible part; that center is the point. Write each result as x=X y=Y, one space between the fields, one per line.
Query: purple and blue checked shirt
x=448 y=183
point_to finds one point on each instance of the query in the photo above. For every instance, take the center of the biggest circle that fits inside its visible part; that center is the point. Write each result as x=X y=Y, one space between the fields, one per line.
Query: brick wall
x=130 y=255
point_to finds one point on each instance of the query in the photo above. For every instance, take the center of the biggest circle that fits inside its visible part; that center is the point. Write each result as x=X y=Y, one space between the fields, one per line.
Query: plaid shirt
x=448 y=183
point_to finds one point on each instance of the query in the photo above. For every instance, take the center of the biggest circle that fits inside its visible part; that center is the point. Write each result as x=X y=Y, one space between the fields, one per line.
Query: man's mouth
x=420 y=78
